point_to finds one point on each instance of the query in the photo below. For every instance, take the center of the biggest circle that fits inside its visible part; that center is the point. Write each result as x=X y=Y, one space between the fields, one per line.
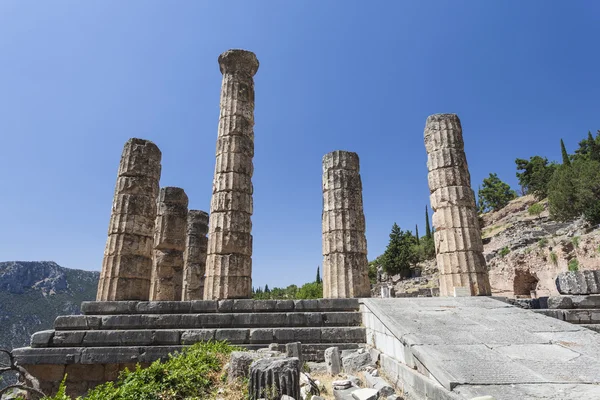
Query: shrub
x=535 y=209
x=543 y=243
x=554 y=258
x=575 y=241
x=574 y=265
x=504 y=252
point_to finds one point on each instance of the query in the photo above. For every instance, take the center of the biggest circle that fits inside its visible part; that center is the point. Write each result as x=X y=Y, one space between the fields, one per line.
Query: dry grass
x=325 y=381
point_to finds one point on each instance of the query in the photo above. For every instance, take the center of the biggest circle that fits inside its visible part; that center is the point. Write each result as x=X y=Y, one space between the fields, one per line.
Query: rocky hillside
x=524 y=252
x=33 y=294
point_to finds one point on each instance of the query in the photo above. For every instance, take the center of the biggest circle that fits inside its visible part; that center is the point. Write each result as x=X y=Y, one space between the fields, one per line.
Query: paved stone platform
x=460 y=348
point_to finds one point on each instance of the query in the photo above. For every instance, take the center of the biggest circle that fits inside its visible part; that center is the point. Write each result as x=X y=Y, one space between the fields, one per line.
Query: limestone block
x=235 y=144
x=355 y=362
x=230 y=264
x=342 y=199
x=41 y=338
x=477 y=282
x=350 y=275
x=234 y=221
x=460 y=261
x=134 y=204
x=236 y=125
x=341 y=179
x=294 y=349
x=447 y=158
x=240 y=201
x=230 y=181
x=344 y=241
x=194 y=256
x=128 y=245
x=579 y=282
x=130 y=288
x=341 y=160
x=456 y=217
x=224 y=286
x=140 y=158
x=233 y=336
x=281 y=375
x=450 y=176
x=460 y=196
x=443 y=131
x=229 y=242
x=333 y=360
x=197 y=335
x=235 y=99
x=450 y=240
x=234 y=162
x=365 y=394
x=136 y=185
x=353 y=220
x=239 y=364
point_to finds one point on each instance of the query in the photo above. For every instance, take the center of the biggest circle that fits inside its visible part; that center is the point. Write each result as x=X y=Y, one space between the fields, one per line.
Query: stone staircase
x=583 y=310
x=111 y=335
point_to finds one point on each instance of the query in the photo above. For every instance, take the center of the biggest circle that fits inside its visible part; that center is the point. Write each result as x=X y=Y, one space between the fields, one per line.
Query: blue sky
x=78 y=78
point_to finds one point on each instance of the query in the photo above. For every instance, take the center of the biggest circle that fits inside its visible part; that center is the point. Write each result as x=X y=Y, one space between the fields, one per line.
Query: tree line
x=310 y=290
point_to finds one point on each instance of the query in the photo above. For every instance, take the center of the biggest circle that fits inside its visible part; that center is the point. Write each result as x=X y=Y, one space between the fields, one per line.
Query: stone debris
x=169 y=243
x=355 y=362
x=341 y=384
x=345 y=265
x=333 y=360
x=194 y=257
x=127 y=263
x=239 y=364
x=294 y=350
x=229 y=255
x=457 y=236
x=383 y=388
x=277 y=376
x=365 y=394
x=579 y=282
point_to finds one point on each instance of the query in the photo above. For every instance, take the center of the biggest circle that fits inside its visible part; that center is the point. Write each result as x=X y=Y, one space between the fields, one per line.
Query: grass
x=542 y=243
x=575 y=241
x=554 y=258
x=504 y=251
x=573 y=265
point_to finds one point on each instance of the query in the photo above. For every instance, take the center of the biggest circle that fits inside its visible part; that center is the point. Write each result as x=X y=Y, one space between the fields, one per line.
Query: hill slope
x=33 y=294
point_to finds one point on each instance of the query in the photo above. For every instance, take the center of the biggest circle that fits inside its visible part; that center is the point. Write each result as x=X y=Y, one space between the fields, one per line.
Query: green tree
x=417 y=233
x=494 y=194
x=267 y=289
x=311 y=290
x=427 y=227
x=535 y=175
x=565 y=156
x=318 y=280
x=589 y=148
x=399 y=255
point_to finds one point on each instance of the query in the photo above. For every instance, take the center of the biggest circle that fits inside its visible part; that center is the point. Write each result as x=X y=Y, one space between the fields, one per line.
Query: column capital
x=237 y=60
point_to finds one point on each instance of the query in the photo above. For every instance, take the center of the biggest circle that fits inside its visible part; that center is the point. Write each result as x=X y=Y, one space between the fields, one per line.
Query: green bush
x=535 y=209
x=193 y=373
x=504 y=252
x=554 y=258
x=574 y=265
x=312 y=290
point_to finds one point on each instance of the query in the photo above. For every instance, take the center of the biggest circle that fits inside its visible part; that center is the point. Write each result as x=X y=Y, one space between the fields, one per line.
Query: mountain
x=34 y=293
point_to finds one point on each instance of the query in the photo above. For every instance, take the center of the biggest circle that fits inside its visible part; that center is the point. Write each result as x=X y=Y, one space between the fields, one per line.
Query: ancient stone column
x=169 y=244
x=229 y=256
x=194 y=257
x=345 y=265
x=128 y=254
x=457 y=236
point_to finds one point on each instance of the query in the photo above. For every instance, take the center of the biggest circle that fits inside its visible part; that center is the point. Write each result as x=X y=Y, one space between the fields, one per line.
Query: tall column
x=194 y=257
x=229 y=258
x=169 y=244
x=345 y=265
x=128 y=254
x=457 y=236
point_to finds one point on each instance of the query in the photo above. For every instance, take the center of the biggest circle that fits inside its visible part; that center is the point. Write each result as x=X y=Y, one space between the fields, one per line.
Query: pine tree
x=399 y=255
x=318 y=280
x=427 y=227
x=565 y=155
x=494 y=194
x=267 y=290
x=417 y=234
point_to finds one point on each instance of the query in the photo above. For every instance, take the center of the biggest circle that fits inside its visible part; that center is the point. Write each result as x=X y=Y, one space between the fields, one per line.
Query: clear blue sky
x=78 y=78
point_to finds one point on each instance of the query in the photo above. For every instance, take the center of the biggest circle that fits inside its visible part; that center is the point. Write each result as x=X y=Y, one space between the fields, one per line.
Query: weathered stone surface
x=365 y=394
x=169 y=245
x=356 y=361
x=383 y=388
x=194 y=256
x=343 y=223
x=229 y=255
x=239 y=364
x=459 y=249
x=280 y=375
x=579 y=282
x=127 y=263
x=333 y=360
x=294 y=349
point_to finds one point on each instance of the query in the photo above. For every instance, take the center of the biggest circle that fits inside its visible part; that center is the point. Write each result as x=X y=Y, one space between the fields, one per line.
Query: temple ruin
x=194 y=257
x=458 y=245
x=169 y=245
x=229 y=255
x=127 y=260
x=345 y=265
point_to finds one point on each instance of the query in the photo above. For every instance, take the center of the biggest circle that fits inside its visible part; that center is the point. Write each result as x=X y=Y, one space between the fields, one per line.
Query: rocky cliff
x=33 y=294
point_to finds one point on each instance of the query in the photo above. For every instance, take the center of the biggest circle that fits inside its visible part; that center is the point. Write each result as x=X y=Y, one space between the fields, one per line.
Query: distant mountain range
x=34 y=293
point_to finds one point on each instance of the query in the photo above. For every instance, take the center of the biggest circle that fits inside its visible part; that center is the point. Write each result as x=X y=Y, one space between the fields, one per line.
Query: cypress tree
x=267 y=290
x=427 y=228
x=417 y=234
x=565 y=155
x=318 y=280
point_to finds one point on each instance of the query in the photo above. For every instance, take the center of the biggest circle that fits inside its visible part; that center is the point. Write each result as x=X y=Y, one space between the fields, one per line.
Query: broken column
x=194 y=257
x=345 y=265
x=169 y=244
x=127 y=260
x=457 y=236
x=229 y=256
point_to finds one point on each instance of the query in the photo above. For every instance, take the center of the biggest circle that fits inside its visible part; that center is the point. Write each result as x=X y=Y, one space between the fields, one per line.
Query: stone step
x=160 y=337
x=207 y=320
x=574 y=316
x=139 y=354
x=214 y=306
x=593 y=327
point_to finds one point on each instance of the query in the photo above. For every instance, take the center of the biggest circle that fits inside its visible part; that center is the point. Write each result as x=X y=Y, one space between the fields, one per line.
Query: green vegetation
x=399 y=256
x=318 y=280
x=575 y=241
x=554 y=258
x=311 y=290
x=565 y=156
x=573 y=265
x=535 y=209
x=194 y=373
x=503 y=252
x=494 y=194
x=543 y=242
x=535 y=176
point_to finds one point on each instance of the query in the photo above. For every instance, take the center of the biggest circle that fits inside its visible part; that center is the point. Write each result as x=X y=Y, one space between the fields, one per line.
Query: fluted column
x=458 y=245
x=345 y=265
x=127 y=260
x=194 y=257
x=169 y=244
x=229 y=256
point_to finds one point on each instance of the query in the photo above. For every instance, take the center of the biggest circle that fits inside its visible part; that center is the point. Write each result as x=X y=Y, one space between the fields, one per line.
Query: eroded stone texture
x=169 y=245
x=229 y=255
x=194 y=257
x=345 y=265
x=127 y=263
x=459 y=249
